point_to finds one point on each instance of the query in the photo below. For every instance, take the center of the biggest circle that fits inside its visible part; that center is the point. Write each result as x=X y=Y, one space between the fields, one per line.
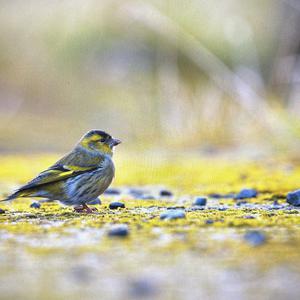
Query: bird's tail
x=12 y=196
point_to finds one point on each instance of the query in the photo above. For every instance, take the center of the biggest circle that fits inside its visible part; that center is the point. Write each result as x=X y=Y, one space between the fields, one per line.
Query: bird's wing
x=61 y=170
x=57 y=173
x=72 y=164
x=53 y=174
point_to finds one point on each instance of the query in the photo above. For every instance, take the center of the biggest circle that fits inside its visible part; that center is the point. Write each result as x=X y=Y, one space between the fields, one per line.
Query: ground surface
x=229 y=249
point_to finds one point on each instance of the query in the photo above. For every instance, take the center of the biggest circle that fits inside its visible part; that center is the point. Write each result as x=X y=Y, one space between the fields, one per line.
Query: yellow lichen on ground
x=207 y=250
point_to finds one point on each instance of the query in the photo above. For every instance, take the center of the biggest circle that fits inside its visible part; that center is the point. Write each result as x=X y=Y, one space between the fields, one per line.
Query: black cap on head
x=98 y=132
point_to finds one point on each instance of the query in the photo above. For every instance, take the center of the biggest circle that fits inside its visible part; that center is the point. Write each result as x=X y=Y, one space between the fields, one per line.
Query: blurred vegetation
x=188 y=74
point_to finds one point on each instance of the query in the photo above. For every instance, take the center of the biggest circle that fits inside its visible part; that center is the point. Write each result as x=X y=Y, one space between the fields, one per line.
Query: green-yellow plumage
x=80 y=176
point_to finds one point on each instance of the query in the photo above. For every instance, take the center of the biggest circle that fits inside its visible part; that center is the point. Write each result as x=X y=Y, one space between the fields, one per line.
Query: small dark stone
x=35 y=205
x=172 y=214
x=255 y=238
x=95 y=202
x=276 y=205
x=222 y=208
x=201 y=201
x=175 y=207
x=246 y=193
x=229 y=196
x=293 y=198
x=120 y=230
x=146 y=197
x=115 y=205
x=142 y=288
x=195 y=208
x=221 y=196
x=249 y=217
x=81 y=274
x=209 y=222
x=2 y=211
x=166 y=193
x=215 y=196
x=112 y=192
x=136 y=193
x=239 y=203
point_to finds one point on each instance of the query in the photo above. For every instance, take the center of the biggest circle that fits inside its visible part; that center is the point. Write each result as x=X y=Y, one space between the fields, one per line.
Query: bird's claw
x=85 y=209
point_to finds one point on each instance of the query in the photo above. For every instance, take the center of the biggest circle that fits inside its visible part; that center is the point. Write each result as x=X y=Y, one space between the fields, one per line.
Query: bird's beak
x=115 y=142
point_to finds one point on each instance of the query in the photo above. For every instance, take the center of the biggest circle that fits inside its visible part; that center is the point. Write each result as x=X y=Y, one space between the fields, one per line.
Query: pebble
x=166 y=193
x=175 y=207
x=2 y=211
x=209 y=222
x=276 y=205
x=95 y=202
x=249 y=217
x=116 y=205
x=81 y=274
x=119 y=230
x=172 y=214
x=195 y=208
x=136 y=193
x=35 y=205
x=112 y=192
x=200 y=201
x=221 y=196
x=222 y=208
x=246 y=193
x=293 y=198
x=142 y=288
x=255 y=238
x=146 y=197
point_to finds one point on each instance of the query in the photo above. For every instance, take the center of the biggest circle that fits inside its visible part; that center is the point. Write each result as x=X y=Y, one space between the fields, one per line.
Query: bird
x=79 y=177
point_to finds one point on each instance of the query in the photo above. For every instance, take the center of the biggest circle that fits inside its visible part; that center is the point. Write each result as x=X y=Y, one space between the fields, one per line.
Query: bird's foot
x=79 y=208
x=85 y=209
x=93 y=209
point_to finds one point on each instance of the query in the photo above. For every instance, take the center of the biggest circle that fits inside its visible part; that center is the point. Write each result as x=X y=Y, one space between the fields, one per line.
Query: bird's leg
x=84 y=209
x=89 y=209
x=79 y=208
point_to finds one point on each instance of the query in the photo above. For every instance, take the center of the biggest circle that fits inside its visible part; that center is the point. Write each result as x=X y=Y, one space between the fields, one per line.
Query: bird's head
x=99 y=141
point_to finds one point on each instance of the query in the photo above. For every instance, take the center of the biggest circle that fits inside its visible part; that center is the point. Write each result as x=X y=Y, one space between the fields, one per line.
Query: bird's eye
x=102 y=140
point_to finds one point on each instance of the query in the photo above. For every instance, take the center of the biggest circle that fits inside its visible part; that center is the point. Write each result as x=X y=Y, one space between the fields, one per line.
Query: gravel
x=119 y=230
x=255 y=238
x=246 y=193
x=172 y=214
x=116 y=205
x=200 y=201
x=35 y=205
x=166 y=193
x=293 y=198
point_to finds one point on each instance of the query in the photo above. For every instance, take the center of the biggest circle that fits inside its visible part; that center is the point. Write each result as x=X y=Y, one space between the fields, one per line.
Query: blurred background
x=185 y=75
